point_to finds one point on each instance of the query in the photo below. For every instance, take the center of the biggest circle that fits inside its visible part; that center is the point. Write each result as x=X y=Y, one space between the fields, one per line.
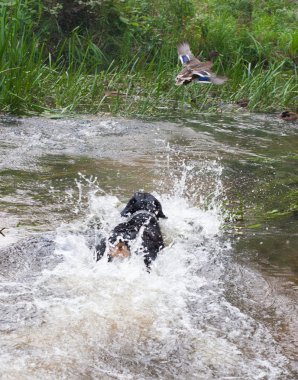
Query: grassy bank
x=120 y=57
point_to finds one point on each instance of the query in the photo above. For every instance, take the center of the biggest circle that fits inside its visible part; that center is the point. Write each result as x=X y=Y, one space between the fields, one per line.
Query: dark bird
x=289 y=116
x=194 y=70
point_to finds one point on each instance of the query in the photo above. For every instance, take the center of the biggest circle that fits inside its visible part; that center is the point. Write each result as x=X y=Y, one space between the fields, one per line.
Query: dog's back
x=143 y=211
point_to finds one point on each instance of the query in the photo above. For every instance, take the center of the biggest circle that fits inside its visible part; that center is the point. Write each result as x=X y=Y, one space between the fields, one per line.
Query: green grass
x=122 y=57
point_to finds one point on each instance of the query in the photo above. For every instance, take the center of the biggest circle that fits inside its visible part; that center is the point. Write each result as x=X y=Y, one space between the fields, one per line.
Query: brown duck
x=194 y=70
x=289 y=116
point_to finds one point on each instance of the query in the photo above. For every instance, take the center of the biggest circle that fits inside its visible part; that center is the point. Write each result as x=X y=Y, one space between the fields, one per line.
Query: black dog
x=143 y=211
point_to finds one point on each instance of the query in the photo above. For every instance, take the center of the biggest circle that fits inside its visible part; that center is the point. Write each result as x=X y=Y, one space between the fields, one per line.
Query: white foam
x=115 y=320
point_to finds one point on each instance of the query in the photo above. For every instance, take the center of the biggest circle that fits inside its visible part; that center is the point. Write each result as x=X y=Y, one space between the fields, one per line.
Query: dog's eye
x=132 y=201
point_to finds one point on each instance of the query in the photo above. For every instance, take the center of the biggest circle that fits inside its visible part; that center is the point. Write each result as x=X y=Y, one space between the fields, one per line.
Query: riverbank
x=125 y=63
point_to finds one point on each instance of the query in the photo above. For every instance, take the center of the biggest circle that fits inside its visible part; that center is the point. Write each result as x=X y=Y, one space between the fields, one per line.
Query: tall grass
x=266 y=89
x=130 y=68
x=20 y=60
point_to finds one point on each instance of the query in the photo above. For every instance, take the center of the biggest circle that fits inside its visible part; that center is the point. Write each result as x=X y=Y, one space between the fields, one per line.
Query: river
x=221 y=299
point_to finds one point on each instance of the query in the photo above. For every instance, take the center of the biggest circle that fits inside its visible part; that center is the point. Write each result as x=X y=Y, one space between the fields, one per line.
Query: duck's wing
x=197 y=66
x=184 y=53
x=195 y=69
x=207 y=76
x=201 y=72
x=216 y=79
x=200 y=76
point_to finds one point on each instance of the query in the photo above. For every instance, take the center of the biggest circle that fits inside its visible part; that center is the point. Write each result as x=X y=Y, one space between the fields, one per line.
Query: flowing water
x=221 y=299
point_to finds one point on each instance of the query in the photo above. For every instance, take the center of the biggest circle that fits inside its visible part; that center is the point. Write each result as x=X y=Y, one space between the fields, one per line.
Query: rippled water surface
x=221 y=299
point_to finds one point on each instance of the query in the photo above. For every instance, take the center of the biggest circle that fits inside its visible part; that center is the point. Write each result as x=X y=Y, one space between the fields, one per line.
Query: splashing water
x=116 y=321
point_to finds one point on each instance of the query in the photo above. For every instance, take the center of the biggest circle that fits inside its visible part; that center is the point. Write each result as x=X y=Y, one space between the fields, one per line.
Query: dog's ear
x=160 y=213
x=129 y=208
x=134 y=204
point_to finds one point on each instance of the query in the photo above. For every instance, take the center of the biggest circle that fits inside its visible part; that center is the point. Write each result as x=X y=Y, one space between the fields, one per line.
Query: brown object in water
x=120 y=250
x=289 y=116
x=1 y=231
x=242 y=102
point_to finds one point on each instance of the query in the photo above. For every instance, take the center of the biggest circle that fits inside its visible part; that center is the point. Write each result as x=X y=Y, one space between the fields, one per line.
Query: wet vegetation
x=118 y=56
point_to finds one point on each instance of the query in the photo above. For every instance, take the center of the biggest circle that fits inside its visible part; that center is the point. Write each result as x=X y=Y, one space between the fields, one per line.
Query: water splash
x=69 y=317
x=116 y=321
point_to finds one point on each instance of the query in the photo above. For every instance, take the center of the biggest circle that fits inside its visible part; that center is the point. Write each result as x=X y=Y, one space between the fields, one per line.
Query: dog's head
x=143 y=201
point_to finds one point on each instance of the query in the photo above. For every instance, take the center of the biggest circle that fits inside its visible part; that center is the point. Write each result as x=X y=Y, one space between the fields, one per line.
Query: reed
x=130 y=69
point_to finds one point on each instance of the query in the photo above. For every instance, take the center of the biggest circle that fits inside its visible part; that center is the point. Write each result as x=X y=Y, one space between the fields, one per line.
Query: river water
x=221 y=299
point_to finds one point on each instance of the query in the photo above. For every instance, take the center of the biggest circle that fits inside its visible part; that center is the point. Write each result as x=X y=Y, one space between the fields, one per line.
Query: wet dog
x=142 y=211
